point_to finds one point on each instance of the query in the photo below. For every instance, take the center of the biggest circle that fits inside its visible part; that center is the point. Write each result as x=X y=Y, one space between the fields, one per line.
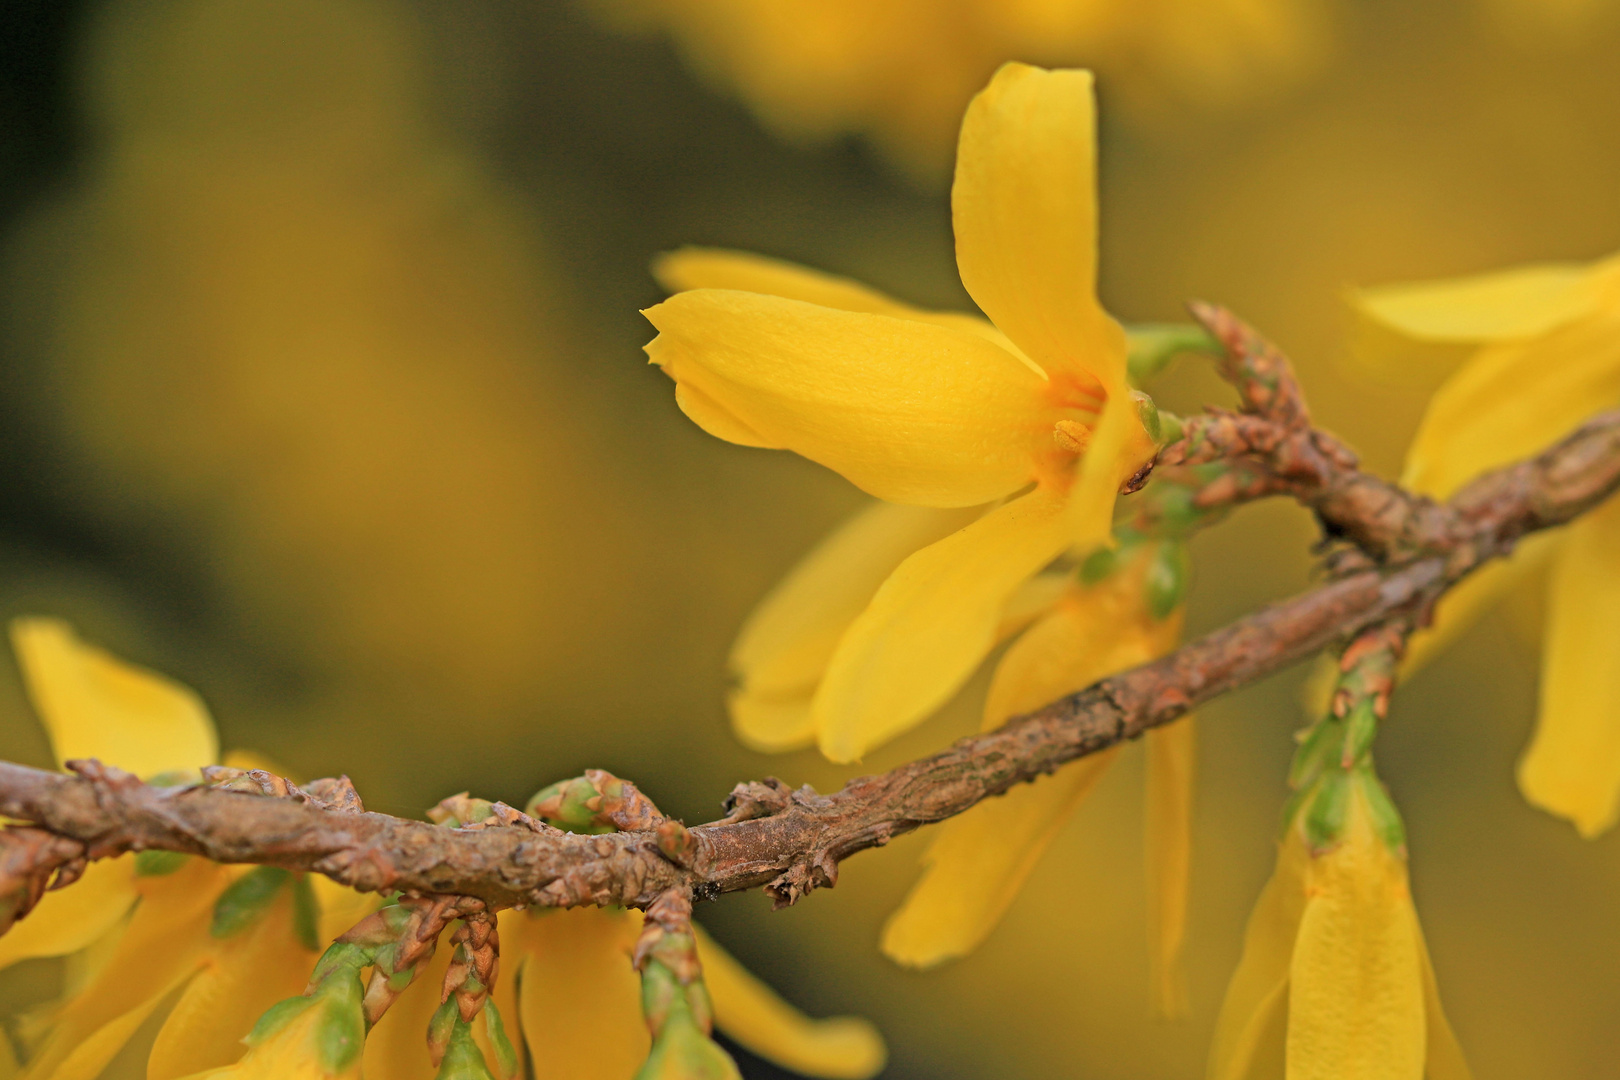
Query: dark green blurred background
x=323 y=393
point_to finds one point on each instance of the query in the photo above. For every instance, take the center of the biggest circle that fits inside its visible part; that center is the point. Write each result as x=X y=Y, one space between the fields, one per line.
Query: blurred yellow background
x=323 y=393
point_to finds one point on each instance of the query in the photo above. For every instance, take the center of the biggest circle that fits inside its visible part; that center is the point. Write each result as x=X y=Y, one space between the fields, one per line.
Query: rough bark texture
x=1407 y=551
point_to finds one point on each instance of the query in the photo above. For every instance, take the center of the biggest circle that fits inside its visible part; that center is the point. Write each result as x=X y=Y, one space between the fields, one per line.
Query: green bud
x=1318 y=748
x=246 y=899
x=1154 y=345
x=1326 y=813
x=563 y=805
x=462 y=1058
x=1166 y=582
x=683 y=1051
x=506 y=1059
x=158 y=863
x=306 y=913
x=1386 y=818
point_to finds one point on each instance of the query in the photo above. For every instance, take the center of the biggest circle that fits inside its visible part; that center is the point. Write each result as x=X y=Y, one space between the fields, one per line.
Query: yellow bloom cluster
x=997 y=447
x=902 y=71
x=220 y=945
x=1540 y=353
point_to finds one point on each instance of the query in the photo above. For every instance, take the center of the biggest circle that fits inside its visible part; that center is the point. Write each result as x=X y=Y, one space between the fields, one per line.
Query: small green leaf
x=1328 y=809
x=158 y=863
x=1098 y=565
x=506 y=1059
x=246 y=899
x=1167 y=574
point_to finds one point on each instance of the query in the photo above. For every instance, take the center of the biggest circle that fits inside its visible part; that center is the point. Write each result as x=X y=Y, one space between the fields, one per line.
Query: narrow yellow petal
x=95 y=705
x=241 y=976
x=911 y=412
x=1119 y=447
x=1172 y=756
x=930 y=625
x=979 y=861
x=161 y=948
x=754 y=1016
x=1031 y=601
x=786 y=643
x=1445 y=1060
x=396 y=1047
x=70 y=919
x=1465 y=603
x=1512 y=400
x=772 y=725
x=1024 y=207
x=578 y=998
x=1523 y=302
x=1572 y=766
x=1258 y=993
x=716 y=268
x=1355 y=1000
x=87 y=1058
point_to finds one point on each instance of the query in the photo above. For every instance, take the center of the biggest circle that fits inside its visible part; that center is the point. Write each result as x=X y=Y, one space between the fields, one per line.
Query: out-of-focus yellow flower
x=901 y=71
x=980 y=860
x=1546 y=357
x=228 y=941
x=941 y=412
x=1334 y=946
x=579 y=1002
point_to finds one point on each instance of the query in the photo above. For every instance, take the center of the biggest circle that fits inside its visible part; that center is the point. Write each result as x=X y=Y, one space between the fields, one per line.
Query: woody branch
x=1393 y=554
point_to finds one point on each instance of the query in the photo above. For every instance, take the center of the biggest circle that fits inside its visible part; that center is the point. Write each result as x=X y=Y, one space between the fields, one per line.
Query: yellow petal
x=95 y=705
x=1445 y=1057
x=752 y=1015
x=70 y=919
x=1355 y=1000
x=1024 y=207
x=396 y=1047
x=579 y=999
x=1258 y=993
x=717 y=420
x=1466 y=602
x=1512 y=400
x=784 y=646
x=1119 y=447
x=909 y=411
x=1572 y=766
x=161 y=949
x=1523 y=302
x=716 y=268
x=340 y=907
x=1172 y=754
x=241 y=976
x=1031 y=601
x=979 y=861
x=931 y=624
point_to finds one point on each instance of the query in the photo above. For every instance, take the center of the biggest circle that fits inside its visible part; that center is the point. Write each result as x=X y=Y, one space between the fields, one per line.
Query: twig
x=791 y=842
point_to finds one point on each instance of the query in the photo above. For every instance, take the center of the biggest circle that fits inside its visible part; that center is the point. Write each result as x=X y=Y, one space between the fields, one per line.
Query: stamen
x=1071 y=435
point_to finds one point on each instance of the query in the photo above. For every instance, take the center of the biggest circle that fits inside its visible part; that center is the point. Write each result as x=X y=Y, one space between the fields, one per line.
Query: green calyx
x=246 y=900
x=158 y=863
x=462 y=1060
x=683 y=1050
x=1153 y=345
x=340 y=1029
x=1165 y=586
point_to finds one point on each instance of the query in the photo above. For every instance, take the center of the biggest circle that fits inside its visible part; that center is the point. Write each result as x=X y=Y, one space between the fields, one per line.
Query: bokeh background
x=321 y=390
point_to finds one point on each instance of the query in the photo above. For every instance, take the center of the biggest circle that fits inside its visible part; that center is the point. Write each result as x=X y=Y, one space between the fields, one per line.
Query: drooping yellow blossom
x=580 y=1003
x=901 y=71
x=217 y=945
x=1334 y=950
x=940 y=412
x=1545 y=358
x=979 y=860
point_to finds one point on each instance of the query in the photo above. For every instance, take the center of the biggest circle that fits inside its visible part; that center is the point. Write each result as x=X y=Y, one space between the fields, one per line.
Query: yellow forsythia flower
x=944 y=413
x=1335 y=946
x=579 y=1003
x=221 y=944
x=1545 y=356
x=901 y=70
